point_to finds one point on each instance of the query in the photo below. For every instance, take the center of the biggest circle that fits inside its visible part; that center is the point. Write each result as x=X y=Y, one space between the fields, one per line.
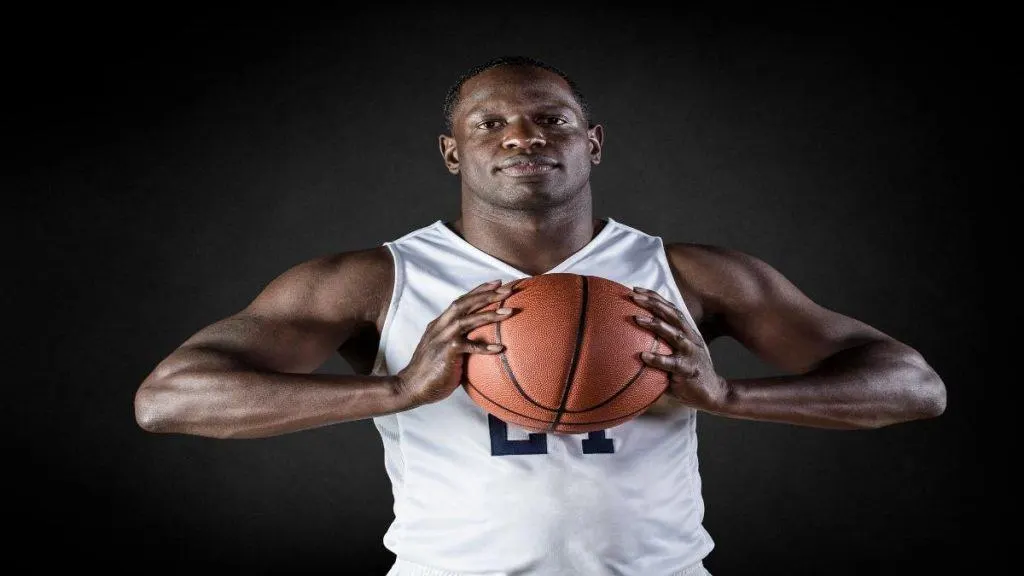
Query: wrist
x=722 y=397
x=405 y=397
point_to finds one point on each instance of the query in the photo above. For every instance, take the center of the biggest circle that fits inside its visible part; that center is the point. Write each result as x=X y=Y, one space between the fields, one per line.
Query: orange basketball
x=571 y=362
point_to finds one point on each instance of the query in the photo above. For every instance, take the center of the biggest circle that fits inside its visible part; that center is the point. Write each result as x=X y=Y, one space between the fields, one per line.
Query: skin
x=523 y=151
x=531 y=221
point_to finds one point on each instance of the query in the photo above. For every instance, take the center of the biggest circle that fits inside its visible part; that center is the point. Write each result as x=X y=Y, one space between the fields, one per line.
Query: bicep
x=271 y=342
x=777 y=321
x=297 y=321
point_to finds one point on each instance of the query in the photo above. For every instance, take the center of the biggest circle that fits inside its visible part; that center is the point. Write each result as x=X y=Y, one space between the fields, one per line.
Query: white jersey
x=474 y=495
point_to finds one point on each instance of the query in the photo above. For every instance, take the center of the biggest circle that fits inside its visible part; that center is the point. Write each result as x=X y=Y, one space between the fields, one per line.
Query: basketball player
x=474 y=495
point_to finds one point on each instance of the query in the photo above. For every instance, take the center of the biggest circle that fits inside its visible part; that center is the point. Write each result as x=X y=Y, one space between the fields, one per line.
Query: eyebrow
x=483 y=110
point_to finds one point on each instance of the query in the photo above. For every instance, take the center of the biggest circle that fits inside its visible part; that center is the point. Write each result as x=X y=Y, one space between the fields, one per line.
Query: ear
x=596 y=136
x=450 y=153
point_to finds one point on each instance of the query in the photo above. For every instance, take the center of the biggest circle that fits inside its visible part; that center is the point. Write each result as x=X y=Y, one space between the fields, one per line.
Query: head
x=519 y=135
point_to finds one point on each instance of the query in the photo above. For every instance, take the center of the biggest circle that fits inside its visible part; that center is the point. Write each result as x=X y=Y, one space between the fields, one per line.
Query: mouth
x=523 y=165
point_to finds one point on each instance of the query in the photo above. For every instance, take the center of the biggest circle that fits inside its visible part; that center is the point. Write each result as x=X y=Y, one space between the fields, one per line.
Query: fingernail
x=647 y=355
x=494 y=347
x=643 y=319
x=503 y=290
x=504 y=310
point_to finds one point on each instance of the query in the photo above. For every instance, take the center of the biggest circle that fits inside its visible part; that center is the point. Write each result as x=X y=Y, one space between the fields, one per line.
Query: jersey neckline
x=560 y=267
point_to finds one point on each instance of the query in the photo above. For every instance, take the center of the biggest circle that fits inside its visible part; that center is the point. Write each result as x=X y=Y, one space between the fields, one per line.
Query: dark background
x=178 y=163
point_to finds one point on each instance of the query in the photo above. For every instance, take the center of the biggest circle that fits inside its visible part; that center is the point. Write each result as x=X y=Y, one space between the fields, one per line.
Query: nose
x=523 y=134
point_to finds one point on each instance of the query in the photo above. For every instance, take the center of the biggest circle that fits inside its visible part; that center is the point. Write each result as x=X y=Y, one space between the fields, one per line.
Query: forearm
x=867 y=386
x=236 y=402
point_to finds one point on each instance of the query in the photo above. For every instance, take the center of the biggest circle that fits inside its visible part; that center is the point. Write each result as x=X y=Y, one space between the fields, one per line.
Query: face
x=520 y=139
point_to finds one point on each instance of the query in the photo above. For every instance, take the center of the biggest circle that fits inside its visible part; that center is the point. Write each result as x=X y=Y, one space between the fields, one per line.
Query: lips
x=527 y=165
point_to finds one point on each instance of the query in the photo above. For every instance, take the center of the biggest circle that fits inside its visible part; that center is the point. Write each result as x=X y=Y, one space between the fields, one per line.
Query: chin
x=537 y=200
x=532 y=195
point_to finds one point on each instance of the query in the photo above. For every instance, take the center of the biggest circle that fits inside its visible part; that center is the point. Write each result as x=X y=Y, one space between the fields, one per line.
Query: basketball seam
x=504 y=359
x=562 y=409
x=654 y=345
x=580 y=328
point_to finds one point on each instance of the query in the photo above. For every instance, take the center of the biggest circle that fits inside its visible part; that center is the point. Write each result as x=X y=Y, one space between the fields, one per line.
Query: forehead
x=509 y=86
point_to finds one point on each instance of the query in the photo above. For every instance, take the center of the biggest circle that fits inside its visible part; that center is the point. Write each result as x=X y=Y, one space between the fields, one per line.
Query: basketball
x=571 y=362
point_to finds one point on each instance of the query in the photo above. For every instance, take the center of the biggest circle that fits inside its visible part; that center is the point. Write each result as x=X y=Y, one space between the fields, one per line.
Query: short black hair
x=451 y=98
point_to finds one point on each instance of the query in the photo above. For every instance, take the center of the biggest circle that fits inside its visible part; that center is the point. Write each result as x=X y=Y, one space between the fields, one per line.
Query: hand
x=692 y=378
x=436 y=367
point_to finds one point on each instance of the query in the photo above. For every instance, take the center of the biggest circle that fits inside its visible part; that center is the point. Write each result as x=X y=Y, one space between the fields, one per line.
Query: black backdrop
x=177 y=164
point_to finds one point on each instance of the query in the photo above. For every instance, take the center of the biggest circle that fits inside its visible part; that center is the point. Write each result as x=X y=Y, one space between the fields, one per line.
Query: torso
x=481 y=521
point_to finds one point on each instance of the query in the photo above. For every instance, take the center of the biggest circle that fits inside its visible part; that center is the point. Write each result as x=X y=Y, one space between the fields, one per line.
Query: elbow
x=149 y=414
x=928 y=391
x=155 y=401
x=933 y=399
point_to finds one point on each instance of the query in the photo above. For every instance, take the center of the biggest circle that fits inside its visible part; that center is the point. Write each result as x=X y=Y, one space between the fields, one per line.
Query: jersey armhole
x=677 y=296
x=380 y=362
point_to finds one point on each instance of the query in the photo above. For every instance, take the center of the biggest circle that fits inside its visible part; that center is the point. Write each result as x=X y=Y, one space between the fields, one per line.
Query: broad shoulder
x=343 y=286
x=719 y=279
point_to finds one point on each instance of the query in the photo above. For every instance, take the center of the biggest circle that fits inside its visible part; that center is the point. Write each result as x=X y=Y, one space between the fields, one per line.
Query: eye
x=490 y=124
x=553 y=120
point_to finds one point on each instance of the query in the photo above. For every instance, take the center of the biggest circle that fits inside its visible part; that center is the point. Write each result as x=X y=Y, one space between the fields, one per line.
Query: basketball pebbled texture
x=571 y=362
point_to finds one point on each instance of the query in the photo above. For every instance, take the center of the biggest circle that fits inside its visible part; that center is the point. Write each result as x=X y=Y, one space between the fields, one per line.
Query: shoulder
x=721 y=278
x=709 y=259
x=353 y=285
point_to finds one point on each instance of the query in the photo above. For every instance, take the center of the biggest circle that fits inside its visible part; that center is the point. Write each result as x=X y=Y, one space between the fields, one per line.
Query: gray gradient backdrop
x=183 y=163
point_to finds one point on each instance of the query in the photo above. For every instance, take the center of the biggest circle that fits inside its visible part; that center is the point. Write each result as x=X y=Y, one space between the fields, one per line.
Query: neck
x=533 y=241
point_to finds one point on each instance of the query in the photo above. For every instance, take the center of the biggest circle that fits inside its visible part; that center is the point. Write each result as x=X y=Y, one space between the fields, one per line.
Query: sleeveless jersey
x=475 y=495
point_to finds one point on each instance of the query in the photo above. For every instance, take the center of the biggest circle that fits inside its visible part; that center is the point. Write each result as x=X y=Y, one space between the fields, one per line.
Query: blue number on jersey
x=596 y=443
x=502 y=446
x=537 y=443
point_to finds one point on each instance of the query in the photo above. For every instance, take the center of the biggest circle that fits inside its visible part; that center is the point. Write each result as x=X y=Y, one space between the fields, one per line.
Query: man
x=472 y=494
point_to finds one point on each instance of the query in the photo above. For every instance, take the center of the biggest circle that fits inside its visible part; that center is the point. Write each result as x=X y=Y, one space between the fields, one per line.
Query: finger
x=479 y=297
x=675 y=337
x=656 y=299
x=652 y=294
x=666 y=311
x=478 y=347
x=474 y=301
x=471 y=322
x=662 y=309
x=462 y=308
x=485 y=286
x=669 y=363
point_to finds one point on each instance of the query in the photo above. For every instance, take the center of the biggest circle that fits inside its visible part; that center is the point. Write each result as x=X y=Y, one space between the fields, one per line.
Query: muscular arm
x=249 y=375
x=841 y=373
